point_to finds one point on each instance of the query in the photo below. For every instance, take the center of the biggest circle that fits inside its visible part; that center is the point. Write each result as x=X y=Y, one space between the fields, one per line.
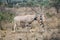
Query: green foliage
x=44 y=2
x=10 y=5
x=55 y=1
x=0 y=3
x=6 y=16
x=30 y=3
x=38 y=3
x=56 y=4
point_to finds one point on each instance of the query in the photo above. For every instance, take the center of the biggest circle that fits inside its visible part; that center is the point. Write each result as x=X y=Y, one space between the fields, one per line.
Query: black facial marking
x=35 y=18
x=40 y=18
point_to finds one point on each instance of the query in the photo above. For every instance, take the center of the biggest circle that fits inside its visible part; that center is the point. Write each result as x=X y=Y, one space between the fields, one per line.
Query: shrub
x=5 y=16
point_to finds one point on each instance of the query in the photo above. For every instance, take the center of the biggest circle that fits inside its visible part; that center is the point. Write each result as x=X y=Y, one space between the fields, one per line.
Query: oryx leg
x=14 y=27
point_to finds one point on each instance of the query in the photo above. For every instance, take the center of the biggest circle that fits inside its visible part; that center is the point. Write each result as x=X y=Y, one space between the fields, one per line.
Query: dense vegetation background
x=45 y=3
x=25 y=3
x=10 y=8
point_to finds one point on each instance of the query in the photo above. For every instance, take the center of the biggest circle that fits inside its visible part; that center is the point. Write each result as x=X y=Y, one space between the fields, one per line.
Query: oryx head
x=37 y=14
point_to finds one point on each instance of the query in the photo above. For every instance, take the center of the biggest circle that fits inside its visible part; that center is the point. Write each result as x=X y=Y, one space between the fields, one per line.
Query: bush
x=5 y=17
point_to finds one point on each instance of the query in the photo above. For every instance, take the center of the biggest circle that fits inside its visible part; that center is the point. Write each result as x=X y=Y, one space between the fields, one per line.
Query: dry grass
x=52 y=24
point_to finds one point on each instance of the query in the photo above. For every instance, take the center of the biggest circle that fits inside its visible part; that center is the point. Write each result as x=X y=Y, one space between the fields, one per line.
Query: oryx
x=27 y=19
